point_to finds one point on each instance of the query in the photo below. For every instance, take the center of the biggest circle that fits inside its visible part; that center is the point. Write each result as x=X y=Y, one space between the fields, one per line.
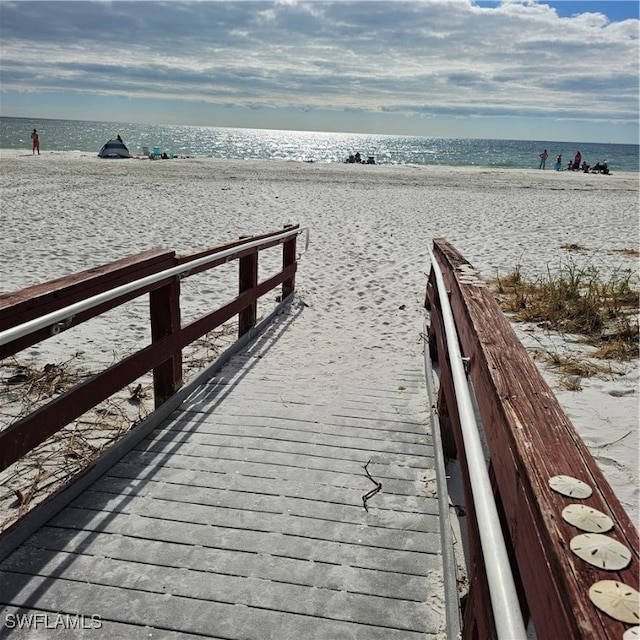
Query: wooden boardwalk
x=241 y=516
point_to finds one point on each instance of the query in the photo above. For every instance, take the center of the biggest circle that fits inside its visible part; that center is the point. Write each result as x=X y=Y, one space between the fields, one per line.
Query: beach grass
x=603 y=311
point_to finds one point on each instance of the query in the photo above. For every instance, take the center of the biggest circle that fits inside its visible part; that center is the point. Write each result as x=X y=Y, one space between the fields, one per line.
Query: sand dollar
x=587 y=518
x=601 y=551
x=616 y=599
x=468 y=269
x=631 y=634
x=569 y=486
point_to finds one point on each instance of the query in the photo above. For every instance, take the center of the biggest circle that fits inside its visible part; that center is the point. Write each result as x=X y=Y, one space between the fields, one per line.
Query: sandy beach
x=362 y=280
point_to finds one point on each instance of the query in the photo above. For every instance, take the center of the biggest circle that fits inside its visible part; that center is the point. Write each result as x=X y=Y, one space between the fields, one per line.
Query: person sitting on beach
x=358 y=157
x=543 y=159
x=585 y=167
x=36 y=142
x=601 y=167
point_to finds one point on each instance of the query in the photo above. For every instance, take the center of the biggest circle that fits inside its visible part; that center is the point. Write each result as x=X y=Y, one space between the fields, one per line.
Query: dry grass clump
x=578 y=301
x=572 y=246
x=575 y=368
x=632 y=253
x=65 y=454
x=25 y=388
x=578 y=248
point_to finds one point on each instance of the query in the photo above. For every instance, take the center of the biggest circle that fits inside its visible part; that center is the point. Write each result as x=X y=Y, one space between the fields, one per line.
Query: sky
x=514 y=69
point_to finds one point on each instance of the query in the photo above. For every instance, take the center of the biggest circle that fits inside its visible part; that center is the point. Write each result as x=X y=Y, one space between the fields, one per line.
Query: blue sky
x=615 y=10
x=524 y=69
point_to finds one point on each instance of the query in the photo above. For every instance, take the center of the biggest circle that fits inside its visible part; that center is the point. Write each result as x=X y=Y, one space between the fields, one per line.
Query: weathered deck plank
x=242 y=517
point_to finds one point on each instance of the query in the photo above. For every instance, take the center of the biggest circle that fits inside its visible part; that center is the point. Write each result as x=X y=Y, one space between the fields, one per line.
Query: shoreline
x=13 y=154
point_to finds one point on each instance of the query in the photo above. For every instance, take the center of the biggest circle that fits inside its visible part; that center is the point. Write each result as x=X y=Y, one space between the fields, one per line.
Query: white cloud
x=422 y=56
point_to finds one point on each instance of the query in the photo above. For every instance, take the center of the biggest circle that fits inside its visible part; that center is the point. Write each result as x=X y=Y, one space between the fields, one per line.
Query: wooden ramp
x=241 y=516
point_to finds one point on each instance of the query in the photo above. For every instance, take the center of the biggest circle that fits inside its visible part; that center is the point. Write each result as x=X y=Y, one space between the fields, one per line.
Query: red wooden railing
x=530 y=440
x=157 y=272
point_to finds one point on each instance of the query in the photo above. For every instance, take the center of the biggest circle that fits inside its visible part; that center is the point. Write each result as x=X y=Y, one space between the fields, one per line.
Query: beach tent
x=114 y=149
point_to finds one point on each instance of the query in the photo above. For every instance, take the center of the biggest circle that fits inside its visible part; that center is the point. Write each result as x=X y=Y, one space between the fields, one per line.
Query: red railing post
x=288 y=259
x=248 y=279
x=164 y=306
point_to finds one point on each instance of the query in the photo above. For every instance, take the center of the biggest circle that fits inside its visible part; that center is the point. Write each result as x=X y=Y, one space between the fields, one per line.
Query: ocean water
x=307 y=146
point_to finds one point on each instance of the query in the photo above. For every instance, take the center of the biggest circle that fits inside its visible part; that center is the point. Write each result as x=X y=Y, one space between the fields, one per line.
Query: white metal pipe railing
x=502 y=590
x=449 y=565
x=58 y=319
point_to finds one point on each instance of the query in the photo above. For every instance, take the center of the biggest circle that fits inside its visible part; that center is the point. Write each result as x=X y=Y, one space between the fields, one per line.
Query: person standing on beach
x=576 y=161
x=36 y=142
x=559 y=163
x=543 y=159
